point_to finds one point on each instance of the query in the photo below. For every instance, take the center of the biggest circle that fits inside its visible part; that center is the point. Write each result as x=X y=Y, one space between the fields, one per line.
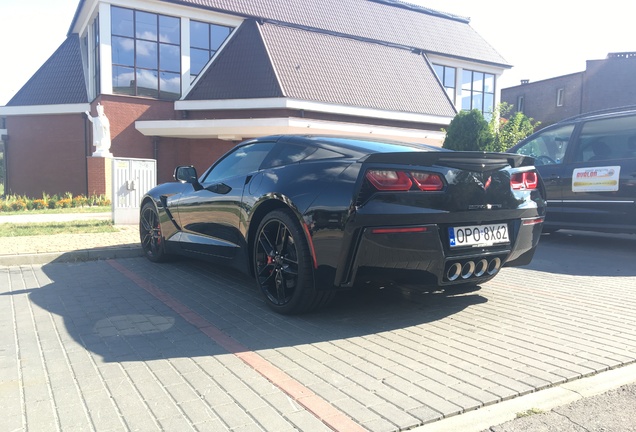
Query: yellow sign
x=596 y=179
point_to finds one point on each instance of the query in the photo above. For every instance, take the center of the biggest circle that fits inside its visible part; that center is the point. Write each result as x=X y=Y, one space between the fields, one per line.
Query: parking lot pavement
x=124 y=344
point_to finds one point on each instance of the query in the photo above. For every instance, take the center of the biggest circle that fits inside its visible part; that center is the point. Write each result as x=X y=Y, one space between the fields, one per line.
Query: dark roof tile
x=60 y=80
x=331 y=69
x=390 y=21
x=241 y=70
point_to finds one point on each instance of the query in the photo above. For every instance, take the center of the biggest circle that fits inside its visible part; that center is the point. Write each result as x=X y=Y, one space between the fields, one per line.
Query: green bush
x=469 y=131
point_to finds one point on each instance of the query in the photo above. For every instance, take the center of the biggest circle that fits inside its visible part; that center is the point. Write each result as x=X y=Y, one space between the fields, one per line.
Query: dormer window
x=146 y=54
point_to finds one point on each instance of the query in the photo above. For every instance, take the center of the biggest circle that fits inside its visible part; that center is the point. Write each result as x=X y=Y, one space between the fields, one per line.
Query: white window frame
x=521 y=101
x=559 y=97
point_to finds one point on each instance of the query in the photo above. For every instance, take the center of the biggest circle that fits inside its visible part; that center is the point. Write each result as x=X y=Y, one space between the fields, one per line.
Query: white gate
x=132 y=178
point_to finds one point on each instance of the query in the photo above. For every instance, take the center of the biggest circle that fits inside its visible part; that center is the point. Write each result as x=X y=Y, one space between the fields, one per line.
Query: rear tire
x=152 y=241
x=283 y=265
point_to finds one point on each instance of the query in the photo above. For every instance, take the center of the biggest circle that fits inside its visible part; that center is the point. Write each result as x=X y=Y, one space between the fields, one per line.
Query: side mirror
x=185 y=174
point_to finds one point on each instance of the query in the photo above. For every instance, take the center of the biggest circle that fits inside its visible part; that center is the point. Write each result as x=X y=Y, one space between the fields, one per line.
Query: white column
x=105 y=50
x=185 y=55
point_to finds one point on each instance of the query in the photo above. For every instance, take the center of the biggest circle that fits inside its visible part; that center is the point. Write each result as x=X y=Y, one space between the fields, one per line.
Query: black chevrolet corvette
x=308 y=215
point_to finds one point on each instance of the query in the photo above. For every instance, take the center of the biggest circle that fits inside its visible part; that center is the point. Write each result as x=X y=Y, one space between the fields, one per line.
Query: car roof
x=357 y=145
x=592 y=115
x=609 y=112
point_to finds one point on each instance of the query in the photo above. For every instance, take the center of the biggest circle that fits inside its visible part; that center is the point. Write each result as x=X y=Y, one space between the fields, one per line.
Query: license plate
x=478 y=235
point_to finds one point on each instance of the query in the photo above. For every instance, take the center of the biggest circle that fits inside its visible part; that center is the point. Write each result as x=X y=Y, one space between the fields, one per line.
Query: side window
x=548 y=147
x=286 y=154
x=242 y=161
x=612 y=138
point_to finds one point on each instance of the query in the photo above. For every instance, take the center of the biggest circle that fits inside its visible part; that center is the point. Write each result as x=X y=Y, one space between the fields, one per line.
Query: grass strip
x=92 y=209
x=49 y=228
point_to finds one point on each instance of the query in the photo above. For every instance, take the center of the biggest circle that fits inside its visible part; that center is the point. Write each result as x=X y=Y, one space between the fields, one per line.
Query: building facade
x=605 y=83
x=182 y=82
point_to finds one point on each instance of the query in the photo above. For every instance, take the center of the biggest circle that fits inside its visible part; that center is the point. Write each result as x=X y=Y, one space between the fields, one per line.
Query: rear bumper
x=426 y=257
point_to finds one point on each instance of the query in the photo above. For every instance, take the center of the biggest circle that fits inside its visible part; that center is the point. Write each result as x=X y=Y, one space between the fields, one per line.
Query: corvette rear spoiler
x=471 y=161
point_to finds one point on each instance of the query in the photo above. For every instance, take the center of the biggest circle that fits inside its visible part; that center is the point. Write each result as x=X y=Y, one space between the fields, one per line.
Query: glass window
x=169 y=58
x=169 y=30
x=447 y=76
x=146 y=54
x=549 y=146
x=146 y=25
x=613 y=138
x=122 y=22
x=521 y=103
x=287 y=154
x=123 y=51
x=124 y=80
x=199 y=35
x=478 y=92
x=559 y=101
x=240 y=162
x=205 y=40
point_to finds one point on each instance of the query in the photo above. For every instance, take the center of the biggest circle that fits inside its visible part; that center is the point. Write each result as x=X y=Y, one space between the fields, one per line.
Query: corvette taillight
x=524 y=180
x=387 y=180
x=427 y=181
x=390 y=180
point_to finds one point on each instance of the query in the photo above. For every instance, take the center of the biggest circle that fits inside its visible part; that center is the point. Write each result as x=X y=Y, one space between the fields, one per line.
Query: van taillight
x=524 y=180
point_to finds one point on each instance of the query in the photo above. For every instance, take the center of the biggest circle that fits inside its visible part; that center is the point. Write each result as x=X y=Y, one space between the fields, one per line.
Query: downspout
x=86 y=152
x=5 y=159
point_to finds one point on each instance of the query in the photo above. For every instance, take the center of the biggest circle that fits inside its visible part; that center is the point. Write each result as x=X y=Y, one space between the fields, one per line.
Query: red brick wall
x=100 y=176
x=46 y=153
x=51 y=153
x=122 y=112
x=200 y=152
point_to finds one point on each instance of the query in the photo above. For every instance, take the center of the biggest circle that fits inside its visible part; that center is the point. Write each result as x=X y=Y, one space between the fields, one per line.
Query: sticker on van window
x=596 y=179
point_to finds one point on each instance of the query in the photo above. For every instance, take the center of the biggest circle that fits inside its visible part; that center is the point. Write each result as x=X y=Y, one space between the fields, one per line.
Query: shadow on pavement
x=585 y=254
x=119 y=320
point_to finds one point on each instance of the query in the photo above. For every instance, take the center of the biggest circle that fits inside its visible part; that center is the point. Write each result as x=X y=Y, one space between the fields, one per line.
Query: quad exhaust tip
x=473 y=269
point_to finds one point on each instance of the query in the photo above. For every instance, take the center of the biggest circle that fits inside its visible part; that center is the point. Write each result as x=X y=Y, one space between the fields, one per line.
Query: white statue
x=101 y=133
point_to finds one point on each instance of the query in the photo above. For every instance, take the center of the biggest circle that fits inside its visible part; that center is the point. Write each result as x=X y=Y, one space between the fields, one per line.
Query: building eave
x=44 y=109
x=239 y=129
x=288 y=103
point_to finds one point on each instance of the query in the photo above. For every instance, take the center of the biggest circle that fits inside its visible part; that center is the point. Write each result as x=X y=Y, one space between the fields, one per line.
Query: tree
x=469 y=131
x=509 y=131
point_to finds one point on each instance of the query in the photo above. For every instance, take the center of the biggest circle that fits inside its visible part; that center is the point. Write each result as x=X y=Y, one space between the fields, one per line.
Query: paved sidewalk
x=67 y=247
x=129 y=345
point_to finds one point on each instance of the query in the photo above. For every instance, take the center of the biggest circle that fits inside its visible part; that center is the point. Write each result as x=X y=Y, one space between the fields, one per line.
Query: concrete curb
x=70 y=256
x=544 y=400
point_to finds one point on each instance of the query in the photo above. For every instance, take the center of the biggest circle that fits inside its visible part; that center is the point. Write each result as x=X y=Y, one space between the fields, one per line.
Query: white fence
x=132 y=178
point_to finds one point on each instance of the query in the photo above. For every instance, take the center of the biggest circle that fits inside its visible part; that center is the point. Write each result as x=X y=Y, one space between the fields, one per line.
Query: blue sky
x=541 y=39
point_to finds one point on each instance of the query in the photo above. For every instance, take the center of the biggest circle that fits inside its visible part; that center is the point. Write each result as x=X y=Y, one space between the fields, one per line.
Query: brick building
x=183 y=81
x=605 y=83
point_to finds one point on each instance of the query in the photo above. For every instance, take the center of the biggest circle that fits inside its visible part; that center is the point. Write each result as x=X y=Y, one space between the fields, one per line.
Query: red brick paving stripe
x=313 y=403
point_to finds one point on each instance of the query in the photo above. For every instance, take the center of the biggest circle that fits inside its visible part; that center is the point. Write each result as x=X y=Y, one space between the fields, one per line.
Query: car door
x=599 y=182
x=211 y=216
x=549 y=148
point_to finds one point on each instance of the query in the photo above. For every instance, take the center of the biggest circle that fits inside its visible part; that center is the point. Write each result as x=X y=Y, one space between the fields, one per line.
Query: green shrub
x=40 y=204
x=18 y=205
x=64 y=203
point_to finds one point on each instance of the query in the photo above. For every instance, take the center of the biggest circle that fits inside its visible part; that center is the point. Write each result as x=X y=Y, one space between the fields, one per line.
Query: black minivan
x=588 y=165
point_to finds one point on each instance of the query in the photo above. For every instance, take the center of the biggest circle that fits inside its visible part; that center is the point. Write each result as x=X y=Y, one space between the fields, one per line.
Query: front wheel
x=283 y=265
x=150 y=234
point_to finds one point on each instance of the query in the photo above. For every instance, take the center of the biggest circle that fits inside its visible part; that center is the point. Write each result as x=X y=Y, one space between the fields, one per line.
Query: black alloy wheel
x=150 y=234
x=283 y=264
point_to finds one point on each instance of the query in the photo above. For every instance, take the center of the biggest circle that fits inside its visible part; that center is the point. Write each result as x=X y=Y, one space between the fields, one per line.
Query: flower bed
x=17 y=203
